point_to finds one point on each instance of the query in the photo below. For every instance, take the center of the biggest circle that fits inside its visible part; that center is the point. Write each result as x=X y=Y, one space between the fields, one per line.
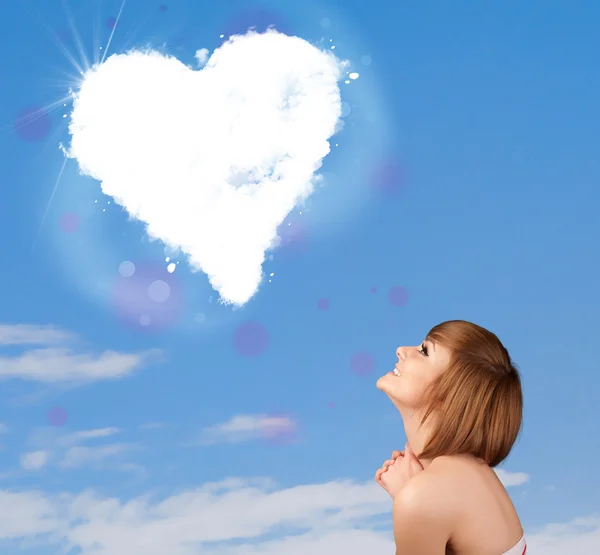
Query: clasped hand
x=395 y=472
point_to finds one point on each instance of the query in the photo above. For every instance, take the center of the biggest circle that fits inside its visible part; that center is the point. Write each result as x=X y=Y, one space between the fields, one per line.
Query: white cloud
x=211 y=160
x=191 y=522
x=201 y=56
x=77 y=457
x=64 y=365
x=247 y=427
x=34 y=460
x=25 y=334
x=3 y=428
x=580 y=536
x=66 y=451
x=510 y=479
x=90 y=434
x=26 y=514
x=59 y=363
x=239 y=517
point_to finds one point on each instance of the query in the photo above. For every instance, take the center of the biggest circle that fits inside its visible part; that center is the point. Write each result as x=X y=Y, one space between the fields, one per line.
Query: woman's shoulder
x=434 y=489
x=427 y=501
x=461 y=499
x=442 y=483
x=433 y=498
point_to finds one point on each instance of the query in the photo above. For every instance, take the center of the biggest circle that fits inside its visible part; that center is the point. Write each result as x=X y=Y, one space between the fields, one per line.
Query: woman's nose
x=400 y=353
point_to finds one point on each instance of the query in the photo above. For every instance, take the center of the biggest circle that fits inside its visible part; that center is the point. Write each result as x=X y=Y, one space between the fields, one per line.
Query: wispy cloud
x=511 y=479
x=248 y=427
x=55 y=360
x=90 y=434
x=67 y=452
x=26 y=334
x=323 y=516
x=80 y=456
x=580 y=536
x=335 y=517
x=34 y=460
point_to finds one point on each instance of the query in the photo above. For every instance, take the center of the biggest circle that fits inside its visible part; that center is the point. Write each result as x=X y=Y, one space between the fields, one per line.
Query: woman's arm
x=422 y=517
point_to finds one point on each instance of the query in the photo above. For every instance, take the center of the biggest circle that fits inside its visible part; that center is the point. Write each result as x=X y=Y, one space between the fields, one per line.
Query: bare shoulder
x=473 y=502
x=438 y=489
x=429 y=493
x=423 y=516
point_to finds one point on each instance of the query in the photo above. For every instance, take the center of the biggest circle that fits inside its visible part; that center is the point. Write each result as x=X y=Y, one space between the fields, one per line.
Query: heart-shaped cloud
x=211 y=160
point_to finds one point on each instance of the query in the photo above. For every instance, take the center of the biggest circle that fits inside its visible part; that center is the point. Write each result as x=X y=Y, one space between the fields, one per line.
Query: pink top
x=519 y=549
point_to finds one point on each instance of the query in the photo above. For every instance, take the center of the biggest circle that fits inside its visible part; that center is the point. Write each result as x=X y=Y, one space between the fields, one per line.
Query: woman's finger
x=383 y=469
x=379 y=477
x=397 y=454
x=386 y=465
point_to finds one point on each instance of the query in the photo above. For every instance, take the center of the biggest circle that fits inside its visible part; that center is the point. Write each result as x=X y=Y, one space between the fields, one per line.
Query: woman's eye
x=423 y=350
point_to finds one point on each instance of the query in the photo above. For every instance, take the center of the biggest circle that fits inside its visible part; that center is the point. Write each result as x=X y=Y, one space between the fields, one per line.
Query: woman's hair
x=477 y=403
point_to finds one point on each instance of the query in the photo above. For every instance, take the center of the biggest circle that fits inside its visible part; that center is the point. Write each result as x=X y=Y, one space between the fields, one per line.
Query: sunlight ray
x=133 y=31
x=96 y=48
x=68 y=80
x=78 y=44
x=37 y=114
x=113 y=31
x=62 y=47
x=60 y=174
x=65 y=52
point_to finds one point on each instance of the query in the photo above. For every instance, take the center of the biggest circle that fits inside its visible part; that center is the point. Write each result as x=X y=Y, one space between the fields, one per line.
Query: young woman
x=459 y=395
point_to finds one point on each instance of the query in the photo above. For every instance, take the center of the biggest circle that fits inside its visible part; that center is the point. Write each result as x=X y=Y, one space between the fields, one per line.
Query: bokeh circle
x=69 y=222
x=398 y=295
x=33 y=124
x=279 y=429
x=57 y=416
x=293 y=235
x=362 y=363
x=323 y=304
x=250 y=339
x=146 y=296
x=388 y=176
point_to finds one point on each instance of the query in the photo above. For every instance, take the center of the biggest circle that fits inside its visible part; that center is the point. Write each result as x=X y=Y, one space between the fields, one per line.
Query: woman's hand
x=395 y=473
x=385 y=466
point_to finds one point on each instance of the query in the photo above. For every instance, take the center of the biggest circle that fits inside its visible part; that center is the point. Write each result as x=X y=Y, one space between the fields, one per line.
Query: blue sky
x=466 y=174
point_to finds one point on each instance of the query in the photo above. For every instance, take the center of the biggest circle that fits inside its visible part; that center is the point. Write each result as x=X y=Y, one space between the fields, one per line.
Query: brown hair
x=477 y=403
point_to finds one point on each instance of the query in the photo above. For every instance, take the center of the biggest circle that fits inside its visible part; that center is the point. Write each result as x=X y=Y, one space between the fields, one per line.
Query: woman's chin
x=384 y=384
x=390 y=388
x=381 y=383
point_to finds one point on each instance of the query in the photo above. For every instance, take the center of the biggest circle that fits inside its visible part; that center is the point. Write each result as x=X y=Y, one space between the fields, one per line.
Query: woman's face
x=416 y=369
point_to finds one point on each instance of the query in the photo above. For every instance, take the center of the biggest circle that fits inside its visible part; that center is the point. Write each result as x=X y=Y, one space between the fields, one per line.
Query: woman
x=459 y=395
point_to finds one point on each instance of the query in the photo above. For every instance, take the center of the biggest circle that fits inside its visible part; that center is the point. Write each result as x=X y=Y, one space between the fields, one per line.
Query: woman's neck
x=416 y=435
